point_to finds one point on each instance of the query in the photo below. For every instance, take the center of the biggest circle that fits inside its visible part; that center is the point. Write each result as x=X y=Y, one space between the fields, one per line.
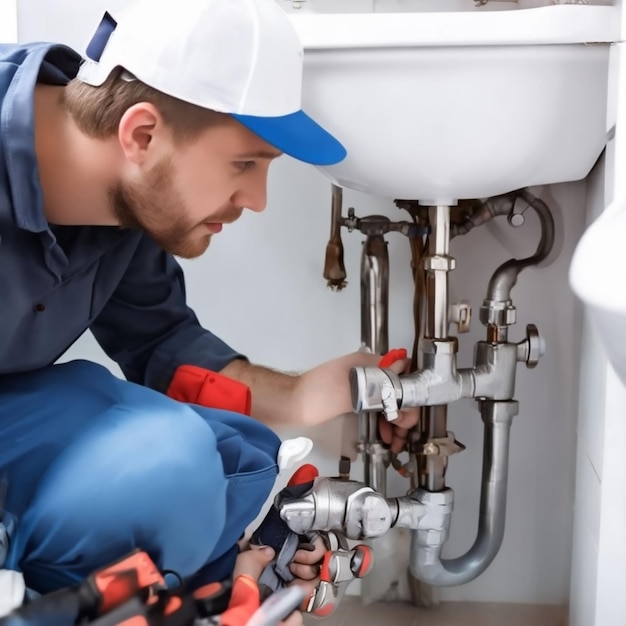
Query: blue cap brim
x=298 y=136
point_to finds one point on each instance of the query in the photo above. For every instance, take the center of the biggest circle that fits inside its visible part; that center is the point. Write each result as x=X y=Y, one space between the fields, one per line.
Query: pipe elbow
x=428 y=566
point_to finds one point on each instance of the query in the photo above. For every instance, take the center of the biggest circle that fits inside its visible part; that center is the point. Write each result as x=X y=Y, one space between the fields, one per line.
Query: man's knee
x=147 y=478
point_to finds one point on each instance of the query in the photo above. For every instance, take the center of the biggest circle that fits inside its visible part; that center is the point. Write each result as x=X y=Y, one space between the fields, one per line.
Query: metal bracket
x=461 y=315
x=440 y=446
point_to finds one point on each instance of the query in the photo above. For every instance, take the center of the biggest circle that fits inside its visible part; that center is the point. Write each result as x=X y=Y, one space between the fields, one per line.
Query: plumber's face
x=192 y=189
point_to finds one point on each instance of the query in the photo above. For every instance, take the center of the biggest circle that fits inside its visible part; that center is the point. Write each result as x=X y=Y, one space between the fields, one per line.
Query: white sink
x=441 y=106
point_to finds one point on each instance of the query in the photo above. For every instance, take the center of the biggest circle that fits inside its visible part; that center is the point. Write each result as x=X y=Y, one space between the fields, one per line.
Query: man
x=108 y=168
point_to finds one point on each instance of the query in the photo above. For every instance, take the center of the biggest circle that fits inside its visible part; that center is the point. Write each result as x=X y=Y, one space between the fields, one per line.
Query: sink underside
x=441 y=122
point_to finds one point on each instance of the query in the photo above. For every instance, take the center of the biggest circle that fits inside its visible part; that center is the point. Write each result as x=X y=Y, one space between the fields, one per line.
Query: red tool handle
x=392 y=356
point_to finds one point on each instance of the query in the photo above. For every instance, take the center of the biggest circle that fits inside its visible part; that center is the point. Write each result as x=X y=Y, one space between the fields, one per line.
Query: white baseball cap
x=241 y=57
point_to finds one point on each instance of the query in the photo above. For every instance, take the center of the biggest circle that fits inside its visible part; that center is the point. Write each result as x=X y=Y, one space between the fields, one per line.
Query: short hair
x=97 y=111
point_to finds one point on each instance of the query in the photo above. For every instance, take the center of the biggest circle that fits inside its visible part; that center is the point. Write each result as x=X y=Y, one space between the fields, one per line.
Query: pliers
x=341 y=566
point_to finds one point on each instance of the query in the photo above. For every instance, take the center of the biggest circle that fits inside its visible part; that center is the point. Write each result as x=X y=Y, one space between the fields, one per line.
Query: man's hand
x=316 y=396
x=252 y=562
x=307 y=561
x=323 y=393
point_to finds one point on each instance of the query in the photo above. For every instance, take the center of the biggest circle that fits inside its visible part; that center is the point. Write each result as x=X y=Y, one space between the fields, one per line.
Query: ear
x=138 y=131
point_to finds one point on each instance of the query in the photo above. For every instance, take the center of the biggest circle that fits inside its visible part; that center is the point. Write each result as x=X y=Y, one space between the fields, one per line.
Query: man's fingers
x=394 y=436
x=304 y=572
x=396 y=433
x=407 y=418
x=310 y=556
x=386 y=430
x=252 y=562
x=307 y=560
x=399 y=439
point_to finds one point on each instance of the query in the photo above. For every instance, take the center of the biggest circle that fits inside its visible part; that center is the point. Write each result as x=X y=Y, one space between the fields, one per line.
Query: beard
x=155 y=207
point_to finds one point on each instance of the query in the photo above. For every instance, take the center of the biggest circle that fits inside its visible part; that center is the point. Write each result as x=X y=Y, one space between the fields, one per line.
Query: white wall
x=611 y=581
x=8 y=21
x=260 y=287
x=599 y=542
x=590 y=445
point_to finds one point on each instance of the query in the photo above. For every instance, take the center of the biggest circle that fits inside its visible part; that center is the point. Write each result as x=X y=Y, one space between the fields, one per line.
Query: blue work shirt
x=58 y=281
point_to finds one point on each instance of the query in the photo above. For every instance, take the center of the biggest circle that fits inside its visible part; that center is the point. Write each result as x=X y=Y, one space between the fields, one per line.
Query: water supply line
x=497 y=307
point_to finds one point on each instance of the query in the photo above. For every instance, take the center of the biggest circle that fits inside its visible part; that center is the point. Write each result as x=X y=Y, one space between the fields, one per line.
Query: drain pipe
x=497 y=313
x=426 y=545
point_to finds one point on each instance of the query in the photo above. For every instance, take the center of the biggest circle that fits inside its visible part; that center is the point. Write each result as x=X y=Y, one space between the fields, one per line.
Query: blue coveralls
x=96 y=466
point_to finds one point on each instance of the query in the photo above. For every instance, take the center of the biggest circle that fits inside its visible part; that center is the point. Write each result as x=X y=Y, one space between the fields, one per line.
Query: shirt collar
x=44 y=63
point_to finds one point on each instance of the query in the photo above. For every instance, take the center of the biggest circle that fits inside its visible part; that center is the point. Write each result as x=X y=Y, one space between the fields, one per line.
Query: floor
x=352 y=612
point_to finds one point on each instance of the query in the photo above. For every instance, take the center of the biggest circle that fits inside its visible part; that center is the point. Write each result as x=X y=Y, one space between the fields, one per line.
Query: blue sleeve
x=147 y=327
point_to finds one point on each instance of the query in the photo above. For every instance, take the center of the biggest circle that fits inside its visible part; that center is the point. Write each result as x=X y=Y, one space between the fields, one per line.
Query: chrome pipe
x=432 y=468
x=437 y=272
x=375 y=294
x=505 y=277
x=375 y=337
x=426 y=545
x=497 y=312
x=434 y=419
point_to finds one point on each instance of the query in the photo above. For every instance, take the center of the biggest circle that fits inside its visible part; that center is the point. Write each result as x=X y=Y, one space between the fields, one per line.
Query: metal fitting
x=434 y=525
x=531 y=349
x=494 y=374
x=367 y=385
x=461 y=315
x=439 y=346
x=408 y=512
x=374 y=450
x=439 y=263
x=494 y=313
x=390 y=401
x=375 y=389
x=440 y=446
x=342 y=505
